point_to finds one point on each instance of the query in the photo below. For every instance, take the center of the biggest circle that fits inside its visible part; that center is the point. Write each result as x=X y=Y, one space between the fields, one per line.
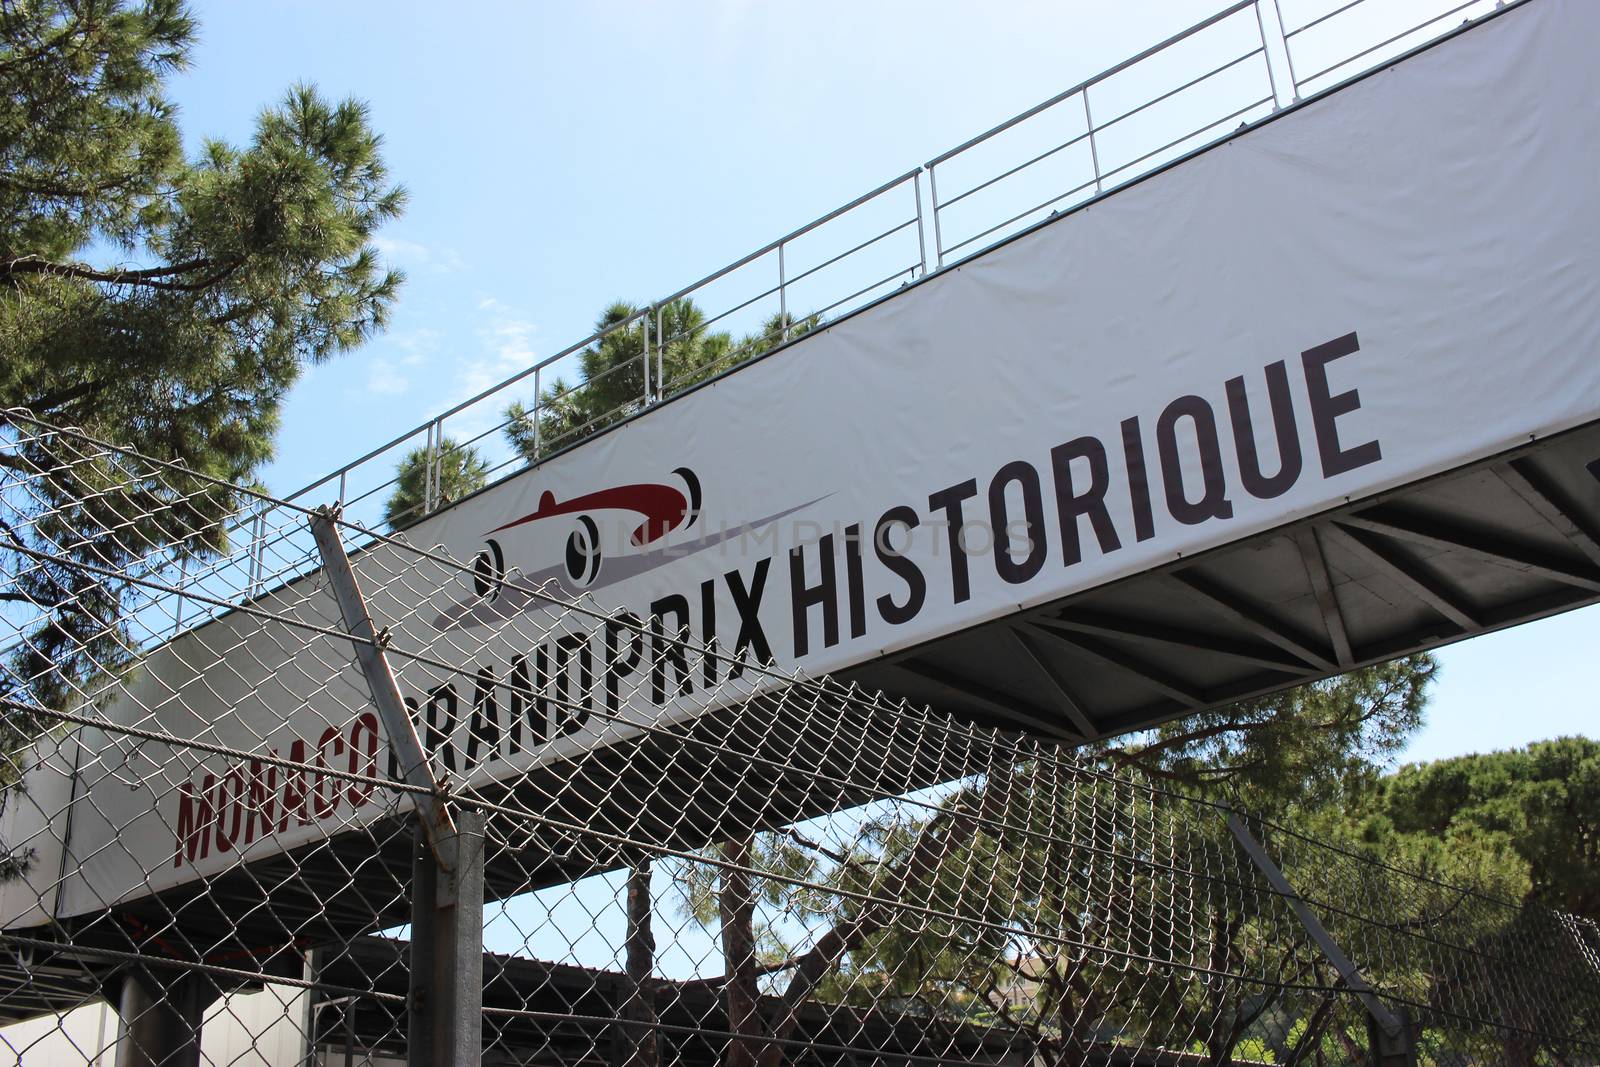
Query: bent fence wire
x=218 y=849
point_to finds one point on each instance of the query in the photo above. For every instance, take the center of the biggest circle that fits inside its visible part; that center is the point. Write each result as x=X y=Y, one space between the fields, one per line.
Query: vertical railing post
x=248 y=531
x=783 y=297
x=933 y=212
x=1094 y=149
x=922 y=238
x=538 y=395
x=433 y=483
x=1288 y=57
x=661 y=346
x=427 y=471
x=644 y=334
x=183 y=584
x=1266 y=57
x=252 y=571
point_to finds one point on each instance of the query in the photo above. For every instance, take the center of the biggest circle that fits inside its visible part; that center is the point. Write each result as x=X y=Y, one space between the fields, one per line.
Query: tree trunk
x=641 y=1042
x=935 y=842
x=737 y=903
x=1311 y=1037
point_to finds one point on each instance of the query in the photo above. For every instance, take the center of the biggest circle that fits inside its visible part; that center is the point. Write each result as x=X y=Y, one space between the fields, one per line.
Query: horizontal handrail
x=1089 y=83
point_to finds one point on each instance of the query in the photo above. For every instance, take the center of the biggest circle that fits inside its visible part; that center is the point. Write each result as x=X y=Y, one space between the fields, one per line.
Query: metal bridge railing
x=1233 y=68
x=551 y=866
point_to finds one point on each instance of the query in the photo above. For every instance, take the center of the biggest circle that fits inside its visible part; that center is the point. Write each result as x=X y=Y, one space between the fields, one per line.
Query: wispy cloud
x=419 y=257
x=416 y=346
x=384 y=378
x=505 y=339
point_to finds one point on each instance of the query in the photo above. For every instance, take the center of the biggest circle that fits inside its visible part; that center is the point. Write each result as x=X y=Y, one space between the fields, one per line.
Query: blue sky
x=563 y=156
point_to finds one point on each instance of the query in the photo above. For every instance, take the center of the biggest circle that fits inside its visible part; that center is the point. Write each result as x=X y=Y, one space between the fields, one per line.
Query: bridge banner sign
x=1375 y=287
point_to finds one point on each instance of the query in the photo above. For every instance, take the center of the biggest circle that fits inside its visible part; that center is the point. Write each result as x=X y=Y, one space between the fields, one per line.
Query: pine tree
x=611 y=383
x=461 y=470
x=163 y=303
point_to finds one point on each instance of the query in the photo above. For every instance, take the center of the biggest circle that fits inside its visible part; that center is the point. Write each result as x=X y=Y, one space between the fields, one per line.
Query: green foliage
x=462 y=470
x=1299 y=749
x=611 y=383
x=164 y=304
x=1538 y=805
x=86 y=138
x=1040 y=923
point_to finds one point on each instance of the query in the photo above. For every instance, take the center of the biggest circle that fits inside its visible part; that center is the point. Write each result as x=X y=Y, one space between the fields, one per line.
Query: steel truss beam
x=1316 y=564
x=1148 y=632
x=1136 y=668
x=1258 y=621
x=1553 y=504
x=1068 y=701
x=1017 y=711
x=1414 y=578
x=1394 y=521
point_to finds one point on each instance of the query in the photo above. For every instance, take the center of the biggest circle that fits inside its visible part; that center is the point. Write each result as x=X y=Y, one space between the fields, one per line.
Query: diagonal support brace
x=369 y=646
x=1390 y=1024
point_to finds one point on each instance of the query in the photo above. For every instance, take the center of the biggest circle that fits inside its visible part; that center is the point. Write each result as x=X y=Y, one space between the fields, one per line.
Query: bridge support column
x=161 y=1019
x=445 y=1024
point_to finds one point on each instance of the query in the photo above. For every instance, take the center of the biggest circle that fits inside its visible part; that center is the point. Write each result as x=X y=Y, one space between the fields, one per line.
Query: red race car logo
x=662 y=508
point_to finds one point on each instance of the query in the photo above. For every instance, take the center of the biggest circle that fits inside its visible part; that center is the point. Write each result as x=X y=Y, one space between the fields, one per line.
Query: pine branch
x=149 y=278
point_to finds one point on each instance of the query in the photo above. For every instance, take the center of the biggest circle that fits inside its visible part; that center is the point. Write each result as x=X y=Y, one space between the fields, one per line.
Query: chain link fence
x=276 y=809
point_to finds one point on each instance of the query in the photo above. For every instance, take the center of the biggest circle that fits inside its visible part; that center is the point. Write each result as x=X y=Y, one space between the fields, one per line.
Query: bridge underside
x=1502 y=542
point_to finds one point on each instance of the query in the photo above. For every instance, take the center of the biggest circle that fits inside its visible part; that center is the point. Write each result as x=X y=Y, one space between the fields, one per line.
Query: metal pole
x=253 y=569
x=183 y=582
x=435 y=468
x=644 y=332
x=933 y=210
x=1266 y=56
x=661 y=344
x=261 y=550
x=1385 y=1019
x=370 y=643
x=783 y=298
x=420 y=1037
x=538 y=442
x=922 y=240
x=445 y=1024
x=458 y=959
x=1094 y=151
x=161 y=1019
x=312 y=972
x=1288 y=58
x=427 y=471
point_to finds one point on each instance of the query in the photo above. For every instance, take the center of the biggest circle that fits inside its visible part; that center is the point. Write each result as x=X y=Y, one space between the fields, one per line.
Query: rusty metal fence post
x=445 y=1003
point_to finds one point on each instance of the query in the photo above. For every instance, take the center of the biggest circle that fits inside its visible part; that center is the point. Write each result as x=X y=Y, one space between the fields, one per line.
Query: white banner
x=1389 y=283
